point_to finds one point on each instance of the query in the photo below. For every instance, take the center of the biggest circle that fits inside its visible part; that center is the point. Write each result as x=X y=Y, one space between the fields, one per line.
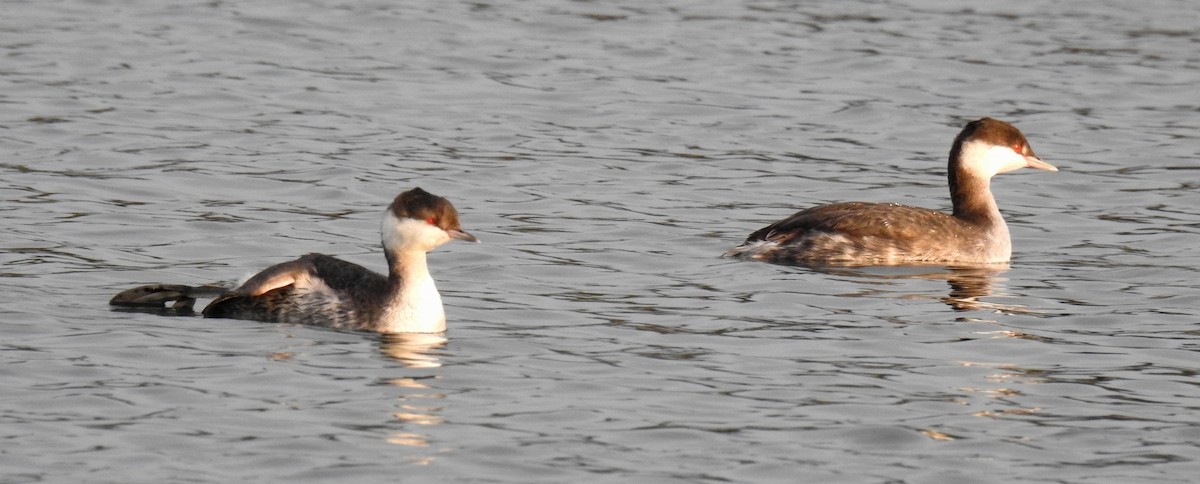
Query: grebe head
x=987 y=147
x=420 y=221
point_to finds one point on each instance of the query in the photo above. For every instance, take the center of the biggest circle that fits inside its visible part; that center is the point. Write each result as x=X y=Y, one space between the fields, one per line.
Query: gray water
x=606 y=153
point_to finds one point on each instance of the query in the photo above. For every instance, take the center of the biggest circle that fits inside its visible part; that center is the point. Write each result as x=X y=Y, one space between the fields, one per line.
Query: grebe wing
x=856 y=220
x=335 y=273
x=275 y=285
x=277 y=276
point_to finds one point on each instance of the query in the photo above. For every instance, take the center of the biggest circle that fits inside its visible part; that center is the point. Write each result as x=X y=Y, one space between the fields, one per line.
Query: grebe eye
x=1019 y=148
x=431 y=221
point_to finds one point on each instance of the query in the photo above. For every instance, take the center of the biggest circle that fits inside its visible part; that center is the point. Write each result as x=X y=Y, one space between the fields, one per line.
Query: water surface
x=606 y=153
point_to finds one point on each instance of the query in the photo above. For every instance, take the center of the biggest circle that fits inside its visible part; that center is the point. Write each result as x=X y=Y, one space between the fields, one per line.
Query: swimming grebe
x=860 y=233
x=321 y=290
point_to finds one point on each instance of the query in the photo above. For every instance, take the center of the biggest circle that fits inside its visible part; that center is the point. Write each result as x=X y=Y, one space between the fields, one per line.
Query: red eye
x=1020 y=149
x=431 y=221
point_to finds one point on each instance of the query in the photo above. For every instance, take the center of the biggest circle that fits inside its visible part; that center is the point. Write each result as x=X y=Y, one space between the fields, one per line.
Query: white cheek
x=988 y=160
x=431 y=237
x=1005 y=159
x=411 y=234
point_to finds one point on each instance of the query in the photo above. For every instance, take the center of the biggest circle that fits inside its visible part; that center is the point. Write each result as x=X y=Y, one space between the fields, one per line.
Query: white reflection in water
x=414 y=350
x=420 y=405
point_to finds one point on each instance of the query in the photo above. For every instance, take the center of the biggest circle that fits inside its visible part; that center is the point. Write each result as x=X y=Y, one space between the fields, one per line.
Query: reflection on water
x=1008 y=376
x=420 y=405
x=967 y=283
x=417 y=408
x=414 y=350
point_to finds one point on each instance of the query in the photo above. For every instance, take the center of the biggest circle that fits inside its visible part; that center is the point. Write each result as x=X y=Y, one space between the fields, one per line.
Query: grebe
x=321 y=290
x=861 y=233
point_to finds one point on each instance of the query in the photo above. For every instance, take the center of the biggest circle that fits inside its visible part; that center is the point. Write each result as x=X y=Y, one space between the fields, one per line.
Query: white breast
x=417 y=310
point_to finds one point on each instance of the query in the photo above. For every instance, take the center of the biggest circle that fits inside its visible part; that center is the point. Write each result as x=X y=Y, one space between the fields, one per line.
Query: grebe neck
x=970 y=175
x=414 y=304
x=972 y=198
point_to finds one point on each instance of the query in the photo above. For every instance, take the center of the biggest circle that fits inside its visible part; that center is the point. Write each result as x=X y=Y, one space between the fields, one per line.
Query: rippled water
x=606 y=153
